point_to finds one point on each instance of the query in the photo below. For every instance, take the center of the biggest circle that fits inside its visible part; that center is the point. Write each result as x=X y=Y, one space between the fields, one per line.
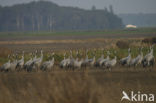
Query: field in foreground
x=74 y=87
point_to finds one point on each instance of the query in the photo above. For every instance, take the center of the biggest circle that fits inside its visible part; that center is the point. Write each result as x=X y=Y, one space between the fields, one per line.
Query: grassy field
x=60 y=46
x=139 y=31
x=120 y=53
x=93 y=85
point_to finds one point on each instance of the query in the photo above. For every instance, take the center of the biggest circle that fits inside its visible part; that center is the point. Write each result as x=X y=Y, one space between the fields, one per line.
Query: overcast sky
x=120 y=6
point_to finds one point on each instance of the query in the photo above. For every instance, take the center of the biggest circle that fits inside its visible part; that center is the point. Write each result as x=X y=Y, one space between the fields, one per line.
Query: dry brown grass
x=73 y=87
x=46 y=45
x=104 y=40
x=122 y=44
x=4 y=52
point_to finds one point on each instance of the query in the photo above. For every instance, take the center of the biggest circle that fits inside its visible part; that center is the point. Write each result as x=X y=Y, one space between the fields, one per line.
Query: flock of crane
x=36 y=63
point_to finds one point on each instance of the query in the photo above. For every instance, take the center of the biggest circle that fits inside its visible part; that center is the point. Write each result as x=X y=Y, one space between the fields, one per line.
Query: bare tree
x=33 y=23
x=17 y=22
x=50 y=23
x=39 y=22
x=22 y=23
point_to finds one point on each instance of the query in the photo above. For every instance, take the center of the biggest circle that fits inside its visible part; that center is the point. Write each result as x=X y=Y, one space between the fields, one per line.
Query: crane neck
x=87 y=56
x=22 y=57
x=129 y=53
x=102 y=56
x=151 y=51
x=52 y=59
x=9 y=61
x=41 y=54
x=115 y=58
x=107 y=56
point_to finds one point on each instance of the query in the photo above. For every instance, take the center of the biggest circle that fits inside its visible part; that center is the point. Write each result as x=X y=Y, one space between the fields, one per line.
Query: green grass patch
x=120 y=53
x=68 y=33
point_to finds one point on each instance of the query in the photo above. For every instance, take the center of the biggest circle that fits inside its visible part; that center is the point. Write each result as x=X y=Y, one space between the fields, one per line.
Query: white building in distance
x=131 y=26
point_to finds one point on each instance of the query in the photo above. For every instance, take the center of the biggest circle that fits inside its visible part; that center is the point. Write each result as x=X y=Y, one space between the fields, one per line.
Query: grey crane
x=138 y=60
x=99 y=60
x=111 y=63
x=104 y=61
x=35 y=65
x=35 y=56
x=87 y=61
x=63 y=63
x=70 y=61
x=28 y=63
x=77 y=62
x=20 y=63
x=5 y=67
x=149 y=59
x=47 y=66
x=92 y=61
x=14 y=63
x=126 y=60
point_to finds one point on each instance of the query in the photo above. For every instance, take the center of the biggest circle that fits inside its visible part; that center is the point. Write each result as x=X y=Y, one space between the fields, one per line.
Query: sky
x=119 y=6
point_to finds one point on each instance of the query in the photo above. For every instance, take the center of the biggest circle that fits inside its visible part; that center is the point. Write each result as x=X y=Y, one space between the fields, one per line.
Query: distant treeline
x=140 y=19
x=47 y=16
